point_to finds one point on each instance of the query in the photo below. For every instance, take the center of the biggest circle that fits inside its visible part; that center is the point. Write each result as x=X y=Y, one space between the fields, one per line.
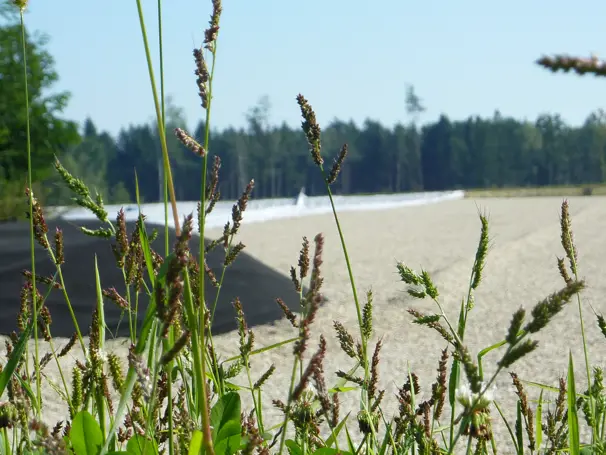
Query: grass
x=178 y=395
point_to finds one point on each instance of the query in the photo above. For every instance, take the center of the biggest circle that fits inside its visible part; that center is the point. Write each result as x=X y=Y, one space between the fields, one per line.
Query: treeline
x=443 y=155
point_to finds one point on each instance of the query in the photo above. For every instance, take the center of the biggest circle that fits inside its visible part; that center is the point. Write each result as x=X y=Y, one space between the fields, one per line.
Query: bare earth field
x=441 y=238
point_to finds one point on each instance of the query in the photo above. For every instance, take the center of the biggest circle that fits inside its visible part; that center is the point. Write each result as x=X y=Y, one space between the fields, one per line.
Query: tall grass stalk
x=35 y=302
x=159 y=120
x=172 y=335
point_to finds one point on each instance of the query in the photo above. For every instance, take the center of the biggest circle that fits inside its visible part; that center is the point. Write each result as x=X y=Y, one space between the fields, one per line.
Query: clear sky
x=352 y=59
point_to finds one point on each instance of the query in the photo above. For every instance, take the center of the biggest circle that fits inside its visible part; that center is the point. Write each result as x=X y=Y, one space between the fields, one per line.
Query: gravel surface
x=441 y=238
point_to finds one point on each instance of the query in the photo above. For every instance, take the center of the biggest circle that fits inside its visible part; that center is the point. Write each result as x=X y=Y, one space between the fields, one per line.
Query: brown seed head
x=239 y=208
x=59 y=257
x=579 y=65
x=289 y=314
x=314 y=364
x=40 y=227
x=202 y=76
x=336 y=167
x=311 y=129
x=304 y=259
x=210 y=34
x=189 y=142
x=120 y=248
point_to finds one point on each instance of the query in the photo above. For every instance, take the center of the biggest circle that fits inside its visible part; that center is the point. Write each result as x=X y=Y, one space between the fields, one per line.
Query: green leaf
x=293 y=447
x=196 y=443
x=453 y=381
x=335 y=433
x=265 y=348
x=330 y=451
x=85 y=434
x=350 y=443
x=519 y=428
x=485 y=351
x=573 y=417
x=16 y=355
x=539 y=423
x=225 y=420
x=507 y=425
x=338 y=389
x=387 y=438
x=139 y=445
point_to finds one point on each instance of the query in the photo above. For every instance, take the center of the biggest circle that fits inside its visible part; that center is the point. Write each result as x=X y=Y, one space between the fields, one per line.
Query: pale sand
x=442 y=238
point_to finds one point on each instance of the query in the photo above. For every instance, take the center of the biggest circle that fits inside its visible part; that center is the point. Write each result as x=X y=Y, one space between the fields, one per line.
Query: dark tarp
x=254 y=283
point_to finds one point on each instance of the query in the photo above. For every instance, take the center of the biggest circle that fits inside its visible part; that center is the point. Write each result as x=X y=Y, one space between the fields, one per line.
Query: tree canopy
x=50 y=134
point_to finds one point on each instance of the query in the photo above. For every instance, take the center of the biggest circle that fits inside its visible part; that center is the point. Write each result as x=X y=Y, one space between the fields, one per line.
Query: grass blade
x=539 y=423
x=519 y=429
x=16 y=355
x=573 y=417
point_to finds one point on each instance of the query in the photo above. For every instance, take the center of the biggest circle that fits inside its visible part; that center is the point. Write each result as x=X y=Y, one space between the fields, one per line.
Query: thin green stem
x=574 y=267
x=256 y=403
x=364 y=399
x=202 y=260
x=31 y=214
x=169 y=391
x=161 y=131
x=594 y=434
x=291 y=389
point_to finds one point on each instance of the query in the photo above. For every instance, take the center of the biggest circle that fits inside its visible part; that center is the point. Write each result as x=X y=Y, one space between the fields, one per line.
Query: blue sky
x=351 y=58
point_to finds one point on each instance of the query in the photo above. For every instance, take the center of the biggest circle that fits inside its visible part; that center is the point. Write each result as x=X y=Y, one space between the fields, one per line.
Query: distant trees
x=473 y=153
x=49 y=133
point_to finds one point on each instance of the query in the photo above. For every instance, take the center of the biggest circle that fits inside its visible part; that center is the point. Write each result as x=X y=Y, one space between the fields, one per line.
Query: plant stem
x=31 y=215
x=293 y=377
x=161 y=131
x=171 y=337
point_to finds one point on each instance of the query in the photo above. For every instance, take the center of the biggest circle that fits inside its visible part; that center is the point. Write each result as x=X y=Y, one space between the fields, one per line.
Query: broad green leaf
x=196 y=443
x=139 y=445
x=230 y=437
x=226 y=423
x=573 y=418
x=225 y=410
x=85 y=434
x=293 y=447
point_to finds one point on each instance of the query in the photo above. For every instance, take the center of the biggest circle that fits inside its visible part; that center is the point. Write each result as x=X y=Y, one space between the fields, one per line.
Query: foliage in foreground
x=179 y=396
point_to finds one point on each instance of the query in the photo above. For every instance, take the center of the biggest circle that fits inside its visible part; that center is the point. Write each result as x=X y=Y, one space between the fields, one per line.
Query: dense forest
x=444 y=154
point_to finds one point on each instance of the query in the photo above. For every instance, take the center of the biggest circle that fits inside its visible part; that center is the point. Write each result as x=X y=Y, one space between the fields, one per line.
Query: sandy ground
x=441 y=238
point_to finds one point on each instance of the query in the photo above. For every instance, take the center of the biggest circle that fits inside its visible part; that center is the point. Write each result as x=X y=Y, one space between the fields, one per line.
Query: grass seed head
x=311 y=129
